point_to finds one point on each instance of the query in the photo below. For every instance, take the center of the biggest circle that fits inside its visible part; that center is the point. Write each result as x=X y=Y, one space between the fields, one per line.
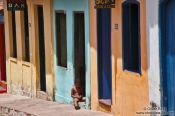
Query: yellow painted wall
x=129 y=90
x=23 y=77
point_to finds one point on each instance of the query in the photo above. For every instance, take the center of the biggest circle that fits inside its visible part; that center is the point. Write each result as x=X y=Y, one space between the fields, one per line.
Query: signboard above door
x=13 y=5
x=104 y=4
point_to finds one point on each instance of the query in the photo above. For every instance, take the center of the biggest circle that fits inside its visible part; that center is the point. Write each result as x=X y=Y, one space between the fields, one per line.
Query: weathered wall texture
x=153 y=50
x=22 y=76
x=129 y=90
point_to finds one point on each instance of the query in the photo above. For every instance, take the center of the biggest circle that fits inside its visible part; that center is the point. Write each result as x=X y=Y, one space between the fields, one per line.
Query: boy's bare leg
x=76 y=105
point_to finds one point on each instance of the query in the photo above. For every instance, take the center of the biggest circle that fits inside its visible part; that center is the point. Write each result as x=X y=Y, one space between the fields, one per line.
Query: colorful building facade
x=71 y=48
x=119 y=54
x=119 y=81
x=29 y=50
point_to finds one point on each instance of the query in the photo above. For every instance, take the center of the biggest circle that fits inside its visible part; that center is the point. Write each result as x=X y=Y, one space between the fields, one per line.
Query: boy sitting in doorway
x=76 y=94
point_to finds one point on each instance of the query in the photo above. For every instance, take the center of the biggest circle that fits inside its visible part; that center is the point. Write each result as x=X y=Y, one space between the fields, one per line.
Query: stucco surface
x=129 y=90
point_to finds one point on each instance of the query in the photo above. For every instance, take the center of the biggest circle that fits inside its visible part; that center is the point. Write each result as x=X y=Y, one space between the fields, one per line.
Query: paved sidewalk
x=22 y=106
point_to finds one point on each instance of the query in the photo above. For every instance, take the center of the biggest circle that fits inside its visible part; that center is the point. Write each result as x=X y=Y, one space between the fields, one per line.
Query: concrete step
x=23 y=106
x=82 y=105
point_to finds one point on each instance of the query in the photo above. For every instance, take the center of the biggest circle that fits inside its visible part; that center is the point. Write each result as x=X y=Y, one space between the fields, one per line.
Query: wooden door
x=168 y=54
x=104 y=54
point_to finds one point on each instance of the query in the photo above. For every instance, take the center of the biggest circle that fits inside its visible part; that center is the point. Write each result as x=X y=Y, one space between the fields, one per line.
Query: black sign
x=13 y=5
x=104 y=3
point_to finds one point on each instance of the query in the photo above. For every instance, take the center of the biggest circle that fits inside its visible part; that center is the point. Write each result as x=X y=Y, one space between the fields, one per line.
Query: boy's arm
x=73 y=93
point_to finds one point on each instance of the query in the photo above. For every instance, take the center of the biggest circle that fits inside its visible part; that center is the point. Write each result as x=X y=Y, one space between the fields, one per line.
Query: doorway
x=41 y=46
x=3 y=85
x=2 y=54
x=79 y=50
x=104 y=55
x=168 y=53
x=2 y=49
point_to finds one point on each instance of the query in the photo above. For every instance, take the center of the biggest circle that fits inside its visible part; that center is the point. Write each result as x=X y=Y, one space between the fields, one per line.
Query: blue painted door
x=168 y=47
x=104 y=53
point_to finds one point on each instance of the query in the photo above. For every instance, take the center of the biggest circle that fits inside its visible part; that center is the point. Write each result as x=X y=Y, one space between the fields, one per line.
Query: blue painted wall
x=64 y=77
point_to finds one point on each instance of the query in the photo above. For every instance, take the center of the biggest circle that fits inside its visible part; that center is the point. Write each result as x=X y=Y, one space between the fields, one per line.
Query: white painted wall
x=153 y=50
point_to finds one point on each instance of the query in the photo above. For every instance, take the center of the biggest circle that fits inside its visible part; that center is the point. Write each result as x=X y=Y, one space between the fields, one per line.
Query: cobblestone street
x=12 y=105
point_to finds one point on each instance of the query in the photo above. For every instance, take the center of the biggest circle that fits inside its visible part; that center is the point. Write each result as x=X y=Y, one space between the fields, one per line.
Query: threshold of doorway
x=105 y=105
x=106 y=102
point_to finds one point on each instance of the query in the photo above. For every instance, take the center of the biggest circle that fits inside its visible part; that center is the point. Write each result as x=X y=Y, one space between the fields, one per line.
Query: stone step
x=5 y=111
x=23 y=106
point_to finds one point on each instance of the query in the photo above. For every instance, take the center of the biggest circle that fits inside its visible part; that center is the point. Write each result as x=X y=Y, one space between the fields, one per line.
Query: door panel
x=104 y=53
x=169 y=68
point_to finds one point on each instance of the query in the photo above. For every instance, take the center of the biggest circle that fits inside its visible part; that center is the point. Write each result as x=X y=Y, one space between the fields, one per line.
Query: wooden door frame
x=49 y=52
x=35 y=3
